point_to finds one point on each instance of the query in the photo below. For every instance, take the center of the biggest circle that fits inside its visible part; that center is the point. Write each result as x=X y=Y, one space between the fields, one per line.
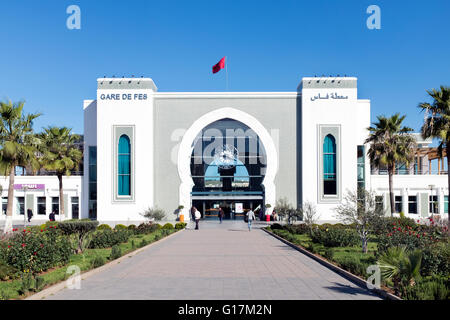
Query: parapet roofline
x=328 y=83
x=126 y=83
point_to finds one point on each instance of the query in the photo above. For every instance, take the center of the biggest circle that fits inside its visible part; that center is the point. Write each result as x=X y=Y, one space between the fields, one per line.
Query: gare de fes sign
x=29 y=186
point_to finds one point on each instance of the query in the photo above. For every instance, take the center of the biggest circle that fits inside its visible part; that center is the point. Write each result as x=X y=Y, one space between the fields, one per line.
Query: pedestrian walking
x=29 y=214
x=220 y=214
x=250 y=217
x=197 y=218
x=51 y=216
x=193 y=209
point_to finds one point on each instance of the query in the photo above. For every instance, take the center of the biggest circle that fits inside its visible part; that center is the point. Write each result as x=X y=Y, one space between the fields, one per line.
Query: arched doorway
x=228 y=165
x=227 y=158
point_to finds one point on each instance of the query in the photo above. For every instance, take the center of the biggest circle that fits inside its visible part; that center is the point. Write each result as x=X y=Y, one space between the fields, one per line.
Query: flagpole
x=226 y=72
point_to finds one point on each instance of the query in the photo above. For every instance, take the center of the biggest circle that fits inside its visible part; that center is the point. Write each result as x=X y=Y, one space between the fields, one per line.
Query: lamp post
x=433 y=203
x=24 y=188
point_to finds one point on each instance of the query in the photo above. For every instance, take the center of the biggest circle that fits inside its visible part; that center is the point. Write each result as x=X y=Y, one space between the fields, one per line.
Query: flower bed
x=33 y=258
x=340 y=246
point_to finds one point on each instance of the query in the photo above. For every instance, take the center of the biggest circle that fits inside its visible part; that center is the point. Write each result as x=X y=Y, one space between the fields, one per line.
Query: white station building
x=234 y=150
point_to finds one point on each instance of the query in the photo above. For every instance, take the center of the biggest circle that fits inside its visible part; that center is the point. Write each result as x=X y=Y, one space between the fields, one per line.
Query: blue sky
x=270 y=45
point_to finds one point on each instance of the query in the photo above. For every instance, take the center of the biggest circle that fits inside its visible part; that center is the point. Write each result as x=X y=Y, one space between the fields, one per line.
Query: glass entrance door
x=233 y=209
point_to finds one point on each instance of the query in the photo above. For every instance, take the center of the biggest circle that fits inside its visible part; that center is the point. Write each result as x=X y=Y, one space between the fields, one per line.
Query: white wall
x=405 y=185
x=353 y=116
x=72 y=186
x=123 y=112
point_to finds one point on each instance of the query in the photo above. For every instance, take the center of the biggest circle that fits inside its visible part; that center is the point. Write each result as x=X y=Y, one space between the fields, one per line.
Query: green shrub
x=133 y=244
x=405 y=236
x=51 y=224
x=26 y=282
x=81 y=228
x=166 y=232
x=4 y=295
x=428 y=289
x=109 y=238
x=167 y=226
x=341 y=226
x=132 y=227
x=39 y=283
x=35 y=252
x=35 y=229
x=97 y=261
x=297 y=228
x=280 y=232
x=180 y=225
x=104 y=227
x=116 y=252
x=384 y=225
x=157 y=237
x=77 y=226
x=146 y=228
x=120 y=227
x=143 y=243
x=276 y=226
x=335 y=237
x=154 y=213
x=7 y=272
x=313 y=248
x=329 y=254
x=352 y=264
x=436 y=260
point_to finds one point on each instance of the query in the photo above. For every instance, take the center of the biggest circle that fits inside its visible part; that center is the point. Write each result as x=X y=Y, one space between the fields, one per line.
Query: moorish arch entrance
x=227 y=159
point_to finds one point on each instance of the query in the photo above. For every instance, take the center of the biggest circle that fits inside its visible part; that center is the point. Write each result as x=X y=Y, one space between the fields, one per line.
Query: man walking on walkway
x=197 y=218
x=250 y=217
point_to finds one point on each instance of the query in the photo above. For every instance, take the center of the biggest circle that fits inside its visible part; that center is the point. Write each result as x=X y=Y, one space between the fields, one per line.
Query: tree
x=390 y=144
x=309 y=214
x=59 y=154
x=400 y=265
x=360 y=208
x=18 y=146
x=437 y=122
x=285 y=210
x=154 y=213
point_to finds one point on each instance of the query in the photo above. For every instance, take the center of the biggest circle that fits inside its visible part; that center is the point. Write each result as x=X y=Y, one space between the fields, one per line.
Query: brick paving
x=218 y=262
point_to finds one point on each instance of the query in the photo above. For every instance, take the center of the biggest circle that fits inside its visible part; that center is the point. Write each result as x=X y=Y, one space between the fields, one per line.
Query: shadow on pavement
x=350 y=290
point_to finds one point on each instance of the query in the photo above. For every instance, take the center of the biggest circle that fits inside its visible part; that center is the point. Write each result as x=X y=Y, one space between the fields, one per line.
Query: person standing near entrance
x=197 y=218
x=220 y=214
x=250 y=218
x=29 y=214
x=193 y=209
x=51 y=216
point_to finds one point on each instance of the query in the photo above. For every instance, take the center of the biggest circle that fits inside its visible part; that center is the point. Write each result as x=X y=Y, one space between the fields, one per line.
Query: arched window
x=124 y=166
x=329 y=165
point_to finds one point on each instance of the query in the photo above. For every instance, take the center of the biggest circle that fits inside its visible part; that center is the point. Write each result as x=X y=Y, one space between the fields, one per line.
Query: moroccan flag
x=219 y=65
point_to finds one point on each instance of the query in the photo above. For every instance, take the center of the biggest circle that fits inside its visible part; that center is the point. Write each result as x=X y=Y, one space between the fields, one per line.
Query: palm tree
x=17 y=146
x=59 y=154
x=400 y=265
x=437 y=122
x=390 y=143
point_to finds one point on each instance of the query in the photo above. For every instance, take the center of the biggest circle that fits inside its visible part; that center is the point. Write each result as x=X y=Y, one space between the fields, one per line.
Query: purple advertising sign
x=29 y=186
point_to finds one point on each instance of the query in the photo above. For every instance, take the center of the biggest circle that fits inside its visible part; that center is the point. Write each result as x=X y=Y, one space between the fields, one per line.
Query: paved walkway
x=218 y=262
